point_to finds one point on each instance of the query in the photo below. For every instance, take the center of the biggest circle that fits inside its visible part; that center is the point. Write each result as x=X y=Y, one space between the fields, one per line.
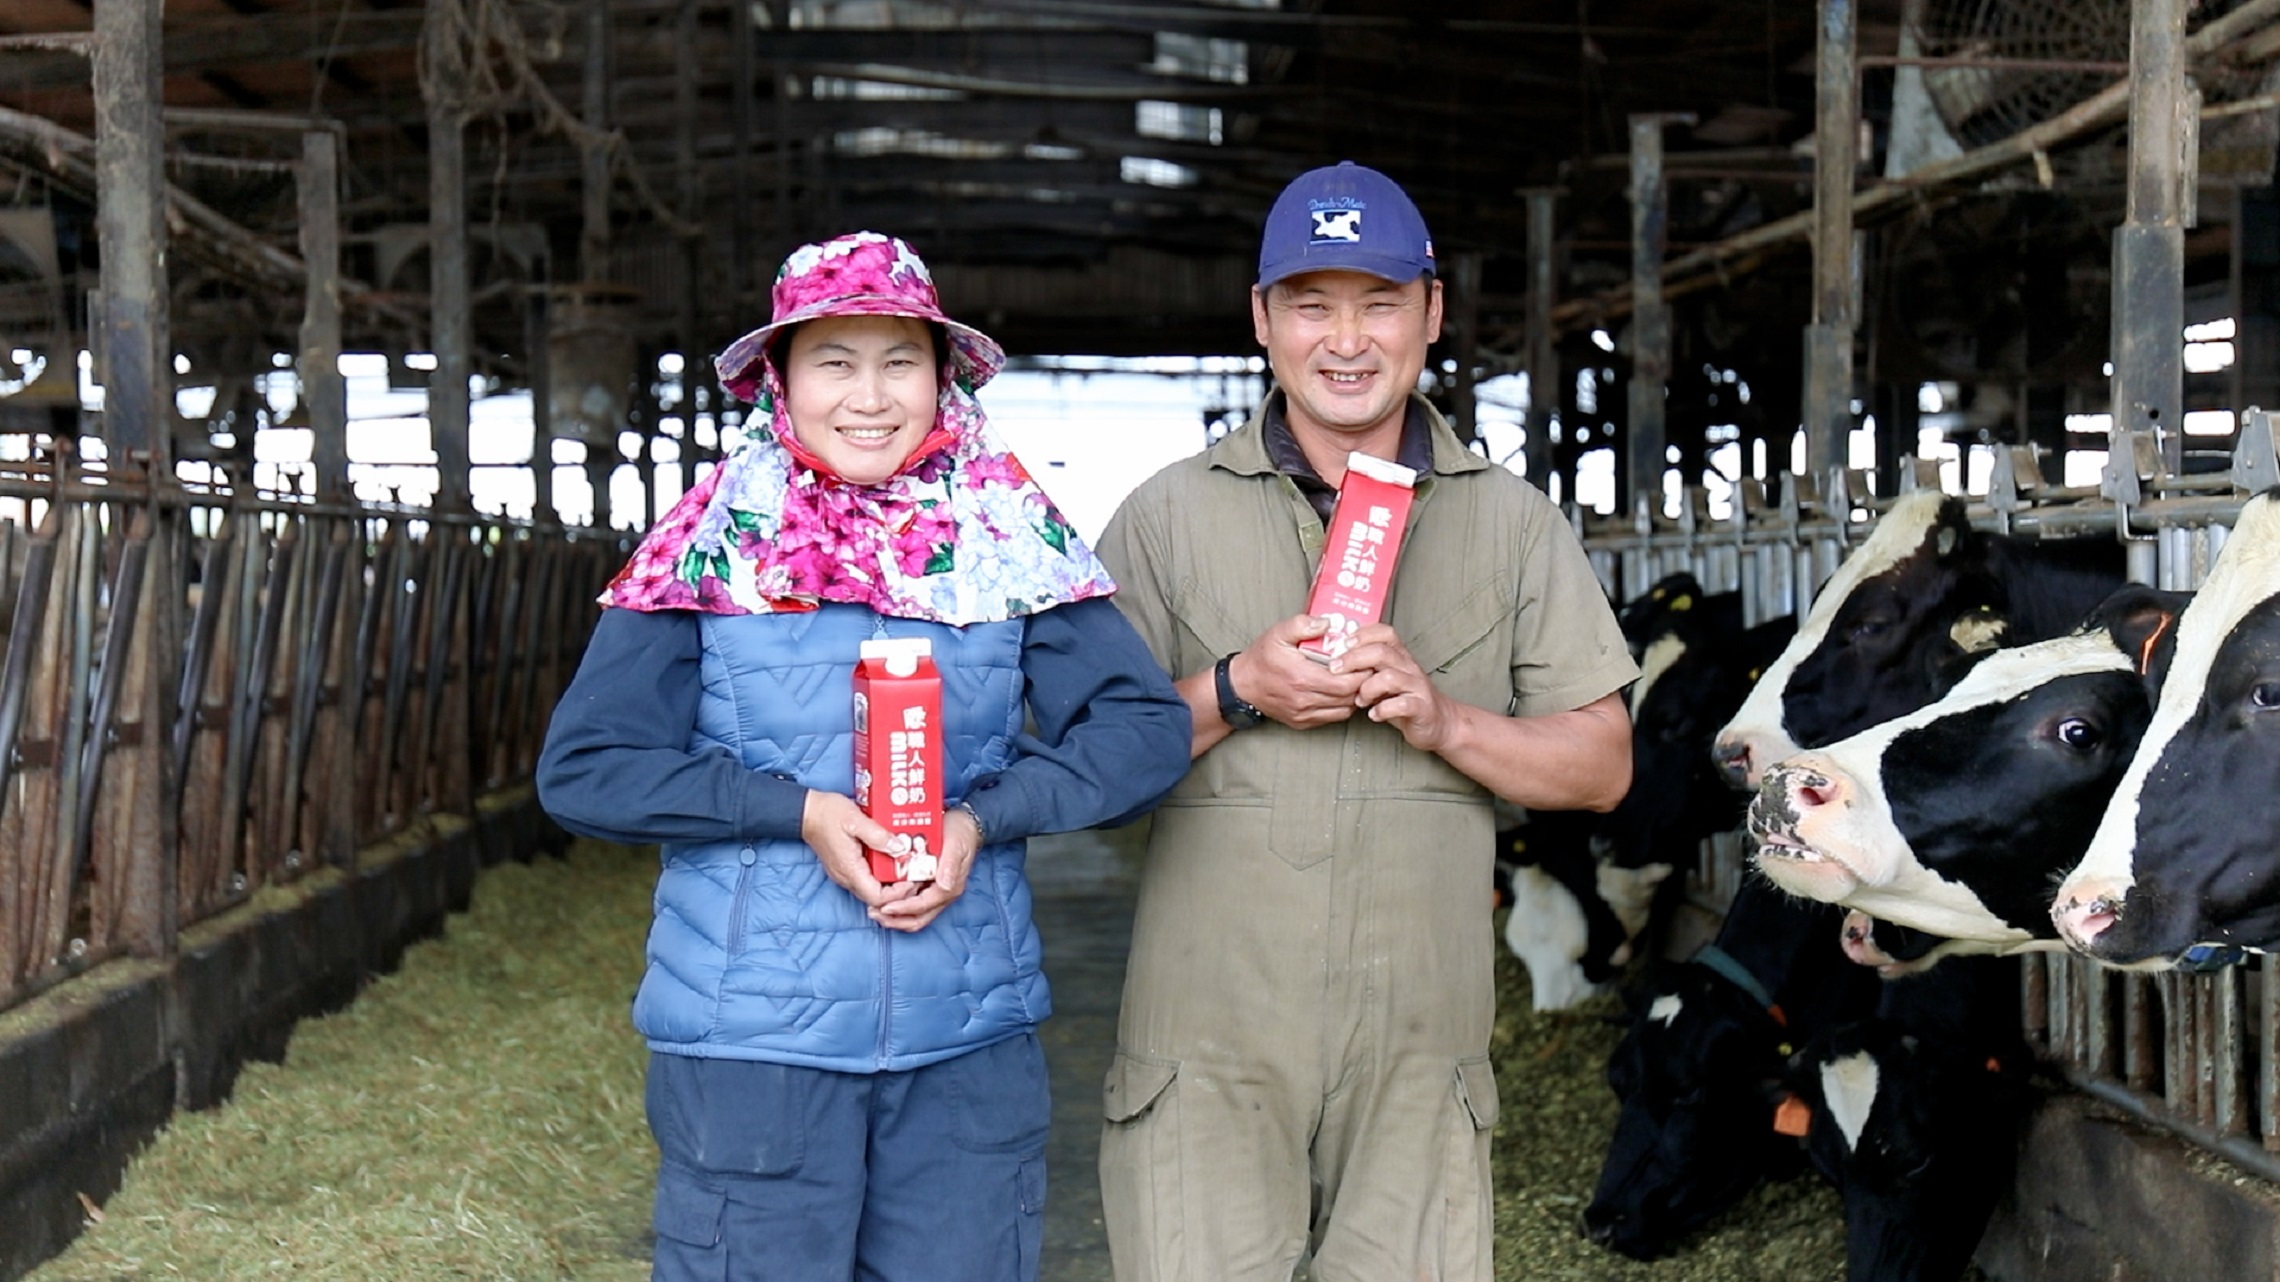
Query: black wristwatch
x=1237 y=714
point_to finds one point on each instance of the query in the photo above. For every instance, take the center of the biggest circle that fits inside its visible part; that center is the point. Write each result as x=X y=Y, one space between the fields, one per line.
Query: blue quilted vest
x=754 y=953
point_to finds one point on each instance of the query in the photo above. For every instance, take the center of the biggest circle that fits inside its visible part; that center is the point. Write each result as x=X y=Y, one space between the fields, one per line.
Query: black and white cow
x=1957 y=818
x=2186 y=854
x=1586 y=888
x=1698 y=1071
x=1901 y=621
x=1916 y=1116
x=1573 y=919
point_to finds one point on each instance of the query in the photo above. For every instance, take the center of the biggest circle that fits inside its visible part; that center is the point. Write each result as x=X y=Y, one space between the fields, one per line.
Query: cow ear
x=2143 y=623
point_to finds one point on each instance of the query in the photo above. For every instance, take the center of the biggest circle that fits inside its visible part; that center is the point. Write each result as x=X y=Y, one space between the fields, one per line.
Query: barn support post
x=2149 y=246
x=688 y=193
x=450 y=309
x=1650 y=315
x=2255 y=373
x=1836 y=157
x=743 y=119
x=323 y=391
x=1543 y=340
x=137 y=368
x=594 y=159
x=1464 y=315
x=538 y=338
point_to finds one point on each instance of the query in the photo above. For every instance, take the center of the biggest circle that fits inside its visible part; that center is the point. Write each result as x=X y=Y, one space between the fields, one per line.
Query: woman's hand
x=839 y=833
x=960 y=838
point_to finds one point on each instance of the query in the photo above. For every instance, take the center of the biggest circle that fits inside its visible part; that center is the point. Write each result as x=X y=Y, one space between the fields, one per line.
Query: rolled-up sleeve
x=1111 y=734
x=617 y=763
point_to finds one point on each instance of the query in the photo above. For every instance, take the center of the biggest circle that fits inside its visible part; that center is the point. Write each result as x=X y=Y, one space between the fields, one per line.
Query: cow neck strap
x=1721 y=961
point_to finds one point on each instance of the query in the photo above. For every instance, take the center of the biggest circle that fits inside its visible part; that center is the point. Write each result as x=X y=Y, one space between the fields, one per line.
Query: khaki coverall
x=1302 y=1054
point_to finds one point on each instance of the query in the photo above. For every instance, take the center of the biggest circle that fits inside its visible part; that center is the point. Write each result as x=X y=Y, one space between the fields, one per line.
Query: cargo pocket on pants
x=1140 y=1166
x=1469 y=1225
x=687 y=1219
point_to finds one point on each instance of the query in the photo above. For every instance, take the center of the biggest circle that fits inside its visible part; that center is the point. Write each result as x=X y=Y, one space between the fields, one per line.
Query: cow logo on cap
x=1339 y=220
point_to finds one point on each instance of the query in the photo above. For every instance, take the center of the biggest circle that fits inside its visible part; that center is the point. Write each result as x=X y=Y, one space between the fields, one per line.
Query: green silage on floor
x=477 y=1114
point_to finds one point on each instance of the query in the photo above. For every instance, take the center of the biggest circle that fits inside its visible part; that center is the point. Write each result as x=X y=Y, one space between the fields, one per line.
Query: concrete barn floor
x=478 y=1113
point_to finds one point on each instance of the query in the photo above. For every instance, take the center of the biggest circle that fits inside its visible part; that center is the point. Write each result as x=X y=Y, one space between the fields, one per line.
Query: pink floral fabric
x=962 y=534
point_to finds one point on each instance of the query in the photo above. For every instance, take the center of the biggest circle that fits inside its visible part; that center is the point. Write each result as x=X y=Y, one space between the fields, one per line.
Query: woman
x=845 y=1079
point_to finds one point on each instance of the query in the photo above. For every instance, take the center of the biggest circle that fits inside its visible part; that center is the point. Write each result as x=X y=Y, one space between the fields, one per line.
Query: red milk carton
x=898 y=751
x=1358 y=552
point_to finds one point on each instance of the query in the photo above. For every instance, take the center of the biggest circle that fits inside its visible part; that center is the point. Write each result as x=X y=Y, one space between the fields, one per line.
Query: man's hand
x=1396 y=690
x=960 y=838
x=1273 y=676
x=839 y=833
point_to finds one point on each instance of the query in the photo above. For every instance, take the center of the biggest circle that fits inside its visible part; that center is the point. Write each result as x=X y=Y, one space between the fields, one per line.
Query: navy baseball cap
x=1345 y=217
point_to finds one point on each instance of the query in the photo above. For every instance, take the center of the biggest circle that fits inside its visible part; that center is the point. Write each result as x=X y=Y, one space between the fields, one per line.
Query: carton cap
x=900 y=654
x=1370 y=465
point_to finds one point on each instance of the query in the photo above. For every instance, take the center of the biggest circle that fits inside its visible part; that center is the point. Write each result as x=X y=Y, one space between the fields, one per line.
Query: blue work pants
x=788 y=1174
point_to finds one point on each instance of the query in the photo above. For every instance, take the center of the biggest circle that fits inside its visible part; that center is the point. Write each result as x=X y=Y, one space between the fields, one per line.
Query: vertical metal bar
x=743 y=119
x=2034 y=999
x=2137 y=1032
x=1836 y=157
x=538 y=361
x=2225 y=1045
x=1543 y=343
x=2267 y=991
x=1462 y=304
x=689 y=198
x=322 y=388
x=450 y=309
x=2098 y=1017
x=787 y=218
x=594 y=161
x=1650 y=315
x=130 y=224
x=2149 y=246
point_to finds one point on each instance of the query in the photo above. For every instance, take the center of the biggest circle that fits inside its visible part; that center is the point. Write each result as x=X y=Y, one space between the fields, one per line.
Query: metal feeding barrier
x=206 y=693
x=2195 y=1054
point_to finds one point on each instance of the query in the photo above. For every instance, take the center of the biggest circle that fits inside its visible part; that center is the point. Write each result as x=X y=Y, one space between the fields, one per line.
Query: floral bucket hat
x=961 y=534
x=865 y=273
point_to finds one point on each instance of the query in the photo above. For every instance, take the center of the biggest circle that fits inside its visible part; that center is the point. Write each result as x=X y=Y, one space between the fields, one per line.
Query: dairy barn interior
x=346 y=347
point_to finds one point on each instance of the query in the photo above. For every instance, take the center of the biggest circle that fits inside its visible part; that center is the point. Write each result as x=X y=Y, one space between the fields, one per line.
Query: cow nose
x=2085 y=911
x=1805 y=788
x=1860 y=940
x=1600 y=1227
x=1732 y=757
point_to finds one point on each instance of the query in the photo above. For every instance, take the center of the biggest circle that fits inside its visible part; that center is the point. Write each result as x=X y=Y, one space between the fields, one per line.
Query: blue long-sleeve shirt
x=617 y=763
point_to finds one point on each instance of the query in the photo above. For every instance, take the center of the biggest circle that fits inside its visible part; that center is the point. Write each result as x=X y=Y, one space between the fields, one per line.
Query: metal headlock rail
x=2195 y=1054
x=319 y=677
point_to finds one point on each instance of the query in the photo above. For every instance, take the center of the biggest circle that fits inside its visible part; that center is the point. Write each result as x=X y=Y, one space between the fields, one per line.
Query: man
x=1302 y=1063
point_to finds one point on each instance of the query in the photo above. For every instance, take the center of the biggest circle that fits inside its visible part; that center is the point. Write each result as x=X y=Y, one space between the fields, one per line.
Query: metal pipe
x=2149 y=246
x=1650 y=316
x=594 y=161
x=1543 y=349
x=450 y=309
x=323 y=391
x=1829 y=339
x=133 y=348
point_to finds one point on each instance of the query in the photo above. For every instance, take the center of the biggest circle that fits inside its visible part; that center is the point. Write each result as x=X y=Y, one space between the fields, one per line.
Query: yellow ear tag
x=1682 y=602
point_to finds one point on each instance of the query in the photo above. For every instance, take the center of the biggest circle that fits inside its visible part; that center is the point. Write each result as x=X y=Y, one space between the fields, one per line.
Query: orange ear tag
x=1792 y=1116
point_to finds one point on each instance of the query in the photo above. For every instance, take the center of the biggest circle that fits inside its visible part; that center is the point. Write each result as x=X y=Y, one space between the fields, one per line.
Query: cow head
x=1956 y=818
x=2184 y=854
x=1900 y=620
x=1696 y=1128
x=1920 y=1136
x=1689 y=686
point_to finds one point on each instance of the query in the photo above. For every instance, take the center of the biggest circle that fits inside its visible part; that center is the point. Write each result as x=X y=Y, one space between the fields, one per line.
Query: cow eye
x=2074 y=732
x=2266 y=694
x=1870 y=628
